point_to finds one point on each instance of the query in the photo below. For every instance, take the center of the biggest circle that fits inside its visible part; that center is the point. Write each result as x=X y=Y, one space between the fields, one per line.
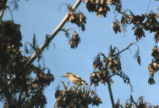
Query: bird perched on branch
x=75 y=79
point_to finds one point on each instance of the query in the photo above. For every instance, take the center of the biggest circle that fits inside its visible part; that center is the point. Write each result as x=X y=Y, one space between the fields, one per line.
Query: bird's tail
x=84 y=83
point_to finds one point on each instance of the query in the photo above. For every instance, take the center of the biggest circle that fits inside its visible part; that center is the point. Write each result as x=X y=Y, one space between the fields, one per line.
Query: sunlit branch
x=53 y=34
x=2 y=13
x=3 y=10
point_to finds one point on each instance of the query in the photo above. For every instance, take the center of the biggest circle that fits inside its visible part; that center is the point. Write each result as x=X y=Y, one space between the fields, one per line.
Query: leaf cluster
x=3 y=4
x=106 y=67
x=74 y=97
x=18 y=88
x=141 y=23
x=75 y=39
x=101 y=7
x=77 y=18
x=131 y=103
x=153 y=67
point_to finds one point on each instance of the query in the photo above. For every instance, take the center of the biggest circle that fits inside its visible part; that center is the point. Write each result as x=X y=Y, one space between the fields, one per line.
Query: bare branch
x=111 y=94
x=56 y=30
x=124 y=49
x=2 y=13
x=3 y=9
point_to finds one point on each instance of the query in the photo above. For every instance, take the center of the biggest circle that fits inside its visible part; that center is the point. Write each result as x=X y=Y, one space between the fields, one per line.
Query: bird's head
x=67 y=74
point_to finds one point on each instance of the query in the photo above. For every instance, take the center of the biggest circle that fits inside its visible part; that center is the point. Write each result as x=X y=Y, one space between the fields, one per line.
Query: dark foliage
x=131 y=103
x=101 y=7
x=74 y=41
x=116 y=26
x=2 y=4
x=22 y=85
x=77 y=18
x=141 y=23
x=18 y=87
x=74 y=97
x=107 y=67
x=153 y=67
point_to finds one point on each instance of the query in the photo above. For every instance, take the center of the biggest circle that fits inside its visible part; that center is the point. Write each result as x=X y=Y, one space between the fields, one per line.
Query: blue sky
x=42 y=16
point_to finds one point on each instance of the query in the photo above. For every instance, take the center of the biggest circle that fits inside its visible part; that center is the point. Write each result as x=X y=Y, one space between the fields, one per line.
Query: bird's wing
x=82 y=81
x=76 y=76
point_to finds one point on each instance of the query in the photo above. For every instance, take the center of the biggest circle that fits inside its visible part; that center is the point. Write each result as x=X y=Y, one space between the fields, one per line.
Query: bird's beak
x=63 y=76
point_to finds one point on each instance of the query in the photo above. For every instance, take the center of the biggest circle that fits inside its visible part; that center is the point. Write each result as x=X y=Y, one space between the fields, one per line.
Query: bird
x=75 y=79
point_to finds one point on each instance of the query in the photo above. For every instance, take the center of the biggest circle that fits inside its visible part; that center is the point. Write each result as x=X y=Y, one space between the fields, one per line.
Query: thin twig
x=2 y=13
x=124 y=49
x=129 y=16
x=109 y=85
x=148 y=6
x=20 y=97
x=111 y=94
x=56 y=30
x=3 y=10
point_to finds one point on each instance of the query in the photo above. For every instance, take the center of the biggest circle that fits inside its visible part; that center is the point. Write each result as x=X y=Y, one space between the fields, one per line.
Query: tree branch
x=111 y=94
x=124 y=49
x=3 y=9
x=2 y=13
x=56 y=30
